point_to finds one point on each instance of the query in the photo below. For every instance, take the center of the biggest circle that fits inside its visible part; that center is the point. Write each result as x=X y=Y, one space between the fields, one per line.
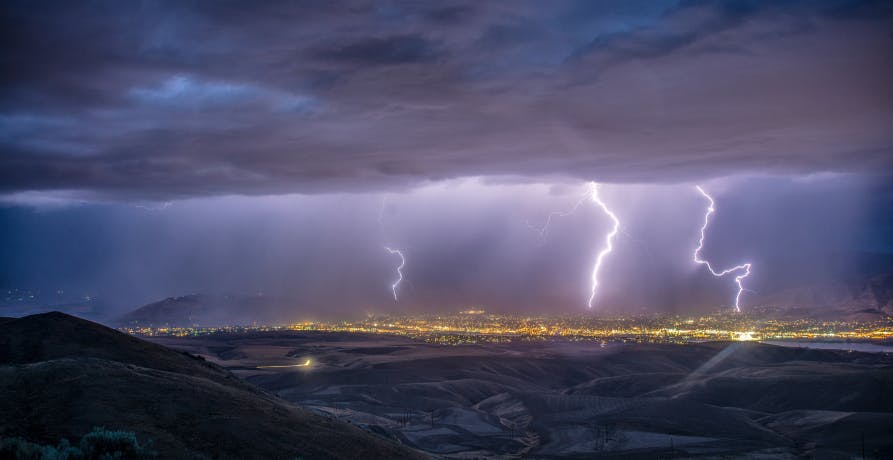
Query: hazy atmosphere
x=446 y=229
x=466 y=243
x=166 y=149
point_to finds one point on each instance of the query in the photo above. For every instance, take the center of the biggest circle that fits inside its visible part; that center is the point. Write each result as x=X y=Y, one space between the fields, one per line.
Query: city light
x=478 y=326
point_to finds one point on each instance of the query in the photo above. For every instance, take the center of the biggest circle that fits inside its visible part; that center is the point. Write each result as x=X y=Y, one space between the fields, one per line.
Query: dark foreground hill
x=60 y=376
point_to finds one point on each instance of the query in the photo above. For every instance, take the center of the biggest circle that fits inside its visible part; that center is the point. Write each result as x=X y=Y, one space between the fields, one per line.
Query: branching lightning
x=155 y=207
x=543 y=231
x=399 y=270
x=390 y=250
x=609 y=240
x=591 y=194
x=745 y=267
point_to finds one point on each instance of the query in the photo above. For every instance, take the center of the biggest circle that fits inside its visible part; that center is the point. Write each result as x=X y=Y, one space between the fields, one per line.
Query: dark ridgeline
x=61 y=376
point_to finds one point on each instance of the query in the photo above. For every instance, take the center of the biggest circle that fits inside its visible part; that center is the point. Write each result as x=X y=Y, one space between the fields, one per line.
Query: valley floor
x=577 y=400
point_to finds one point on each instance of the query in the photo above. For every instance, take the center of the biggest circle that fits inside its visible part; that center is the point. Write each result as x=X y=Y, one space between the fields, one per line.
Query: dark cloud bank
x=176 y=99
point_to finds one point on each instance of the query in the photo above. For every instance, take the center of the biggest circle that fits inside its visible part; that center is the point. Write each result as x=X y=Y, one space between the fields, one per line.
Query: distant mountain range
x=207 y=310
x=860 y=299
x=60 y=376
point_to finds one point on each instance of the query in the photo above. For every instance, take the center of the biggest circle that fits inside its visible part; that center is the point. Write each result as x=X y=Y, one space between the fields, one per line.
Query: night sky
x=153 y=149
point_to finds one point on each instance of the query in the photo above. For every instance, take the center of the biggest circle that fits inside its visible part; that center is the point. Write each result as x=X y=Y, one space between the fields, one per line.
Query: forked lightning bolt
x=399 y=270
x=745 y=267
x=391 y=251
x=543 y=231
x=609 y=240
x=591 y=194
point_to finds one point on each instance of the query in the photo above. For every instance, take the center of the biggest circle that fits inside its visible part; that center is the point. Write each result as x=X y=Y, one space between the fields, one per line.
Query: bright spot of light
x=304 y=364
x=746 y=336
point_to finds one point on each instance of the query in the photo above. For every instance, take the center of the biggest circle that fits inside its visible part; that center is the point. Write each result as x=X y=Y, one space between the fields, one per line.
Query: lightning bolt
x=739 y=279
x=155 y=207
x=544 y=230
x=609 y=239
x=391 y=251
x=399 y=270
x=384 y=202
x=591 y=194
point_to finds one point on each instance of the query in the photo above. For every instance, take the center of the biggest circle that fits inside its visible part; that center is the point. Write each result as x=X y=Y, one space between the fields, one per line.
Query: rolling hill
x=60 y=376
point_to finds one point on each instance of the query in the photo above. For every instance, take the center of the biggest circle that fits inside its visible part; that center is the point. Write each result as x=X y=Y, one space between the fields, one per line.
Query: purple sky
x=274 y=130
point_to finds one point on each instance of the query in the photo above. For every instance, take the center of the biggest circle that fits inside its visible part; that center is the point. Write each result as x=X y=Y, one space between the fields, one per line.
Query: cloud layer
x=172 y=100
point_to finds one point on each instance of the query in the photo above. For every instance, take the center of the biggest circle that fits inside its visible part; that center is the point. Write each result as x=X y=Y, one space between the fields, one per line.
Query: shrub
x=102 y=444
x=99 y=444
x=19 y=449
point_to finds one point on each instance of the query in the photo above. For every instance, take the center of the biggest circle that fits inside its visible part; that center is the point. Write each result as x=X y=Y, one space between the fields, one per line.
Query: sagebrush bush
x=19 y=449
x=102 y=444
x=99 y=444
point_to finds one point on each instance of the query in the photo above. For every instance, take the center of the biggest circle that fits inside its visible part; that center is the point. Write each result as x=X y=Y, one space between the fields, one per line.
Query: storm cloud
x=151 y=149
x=169 y=100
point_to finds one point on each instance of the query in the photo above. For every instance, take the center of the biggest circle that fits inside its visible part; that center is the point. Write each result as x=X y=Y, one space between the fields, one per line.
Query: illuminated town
x=477 y=326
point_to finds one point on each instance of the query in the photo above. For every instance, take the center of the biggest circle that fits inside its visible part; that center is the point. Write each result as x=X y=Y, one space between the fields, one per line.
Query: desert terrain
x=576 y=400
